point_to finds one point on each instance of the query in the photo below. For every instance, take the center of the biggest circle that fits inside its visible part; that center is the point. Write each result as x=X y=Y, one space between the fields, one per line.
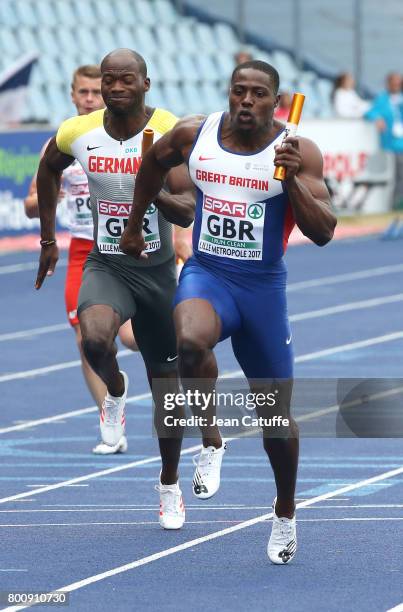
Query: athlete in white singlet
x=235 y=285
x=86 y=96
x=115 y=287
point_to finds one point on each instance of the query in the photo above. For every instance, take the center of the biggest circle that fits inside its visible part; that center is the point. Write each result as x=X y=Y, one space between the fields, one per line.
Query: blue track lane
x=350 y=546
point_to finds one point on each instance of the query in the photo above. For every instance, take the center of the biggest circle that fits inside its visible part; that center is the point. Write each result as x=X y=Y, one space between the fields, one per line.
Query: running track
x=89 y=524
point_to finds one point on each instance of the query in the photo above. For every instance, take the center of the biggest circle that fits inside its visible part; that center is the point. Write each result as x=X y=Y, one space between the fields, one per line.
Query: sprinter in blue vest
x=234 y=285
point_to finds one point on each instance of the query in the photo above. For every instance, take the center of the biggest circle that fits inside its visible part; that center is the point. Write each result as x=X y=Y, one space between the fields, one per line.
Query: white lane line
x=301 y=358
x=351 y=346
x=313 y=314
x=352 y=404
x=205 y=522
x=116 y=524
x=118 y=468
x=54 y=368
x=191 y=508
x=148 y=509
x=349 y=306
x=13 y=570
x=316 y=282
x=29 y=265
x=44 y=485
x=65 y=415
x=398 y=608
x=44 y=489
x=74 y=586
x=342 y=278
x=202 y=506
x=36 y=331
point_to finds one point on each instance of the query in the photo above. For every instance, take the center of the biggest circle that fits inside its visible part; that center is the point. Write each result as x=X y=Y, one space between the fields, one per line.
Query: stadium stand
x=327 y=32
x=189 y=60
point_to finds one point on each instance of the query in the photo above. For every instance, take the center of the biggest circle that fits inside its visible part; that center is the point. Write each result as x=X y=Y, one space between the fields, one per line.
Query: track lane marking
x=301 y=358
x=349 y=306
x=29 y=265
x=74 y=586
x=73 y=481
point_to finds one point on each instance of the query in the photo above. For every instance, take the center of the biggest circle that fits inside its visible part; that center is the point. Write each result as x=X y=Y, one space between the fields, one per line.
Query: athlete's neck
x=124 y=127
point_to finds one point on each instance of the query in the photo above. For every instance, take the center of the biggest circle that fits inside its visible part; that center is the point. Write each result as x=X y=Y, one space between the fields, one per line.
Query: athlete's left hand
x=289 y=156
x=133 y=244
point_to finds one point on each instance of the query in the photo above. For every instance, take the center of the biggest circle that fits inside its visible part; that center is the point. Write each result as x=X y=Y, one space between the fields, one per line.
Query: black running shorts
x=144 y=295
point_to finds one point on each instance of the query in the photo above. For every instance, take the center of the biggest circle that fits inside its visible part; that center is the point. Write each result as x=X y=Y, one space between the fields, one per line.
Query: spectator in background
x=284 y=105
x=387 y=112
x=242 y=56
x=346 y=101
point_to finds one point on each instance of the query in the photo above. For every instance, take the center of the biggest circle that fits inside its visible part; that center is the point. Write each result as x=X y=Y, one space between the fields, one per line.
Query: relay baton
x=291 y=128
x=148 y=139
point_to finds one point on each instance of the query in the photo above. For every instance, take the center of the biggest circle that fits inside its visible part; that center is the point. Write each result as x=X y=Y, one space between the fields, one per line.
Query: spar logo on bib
x=232 y=229
x=112 y=220
x=255 y=211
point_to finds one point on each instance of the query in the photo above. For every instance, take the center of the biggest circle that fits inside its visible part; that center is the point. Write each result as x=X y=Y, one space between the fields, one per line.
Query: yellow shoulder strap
x=162 y=121
x=73 y=128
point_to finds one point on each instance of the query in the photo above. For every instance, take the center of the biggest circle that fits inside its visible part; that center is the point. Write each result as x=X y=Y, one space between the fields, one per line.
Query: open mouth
x=245 y=116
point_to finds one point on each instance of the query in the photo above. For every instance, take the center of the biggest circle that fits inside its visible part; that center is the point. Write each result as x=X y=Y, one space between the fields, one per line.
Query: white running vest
x=243 y=218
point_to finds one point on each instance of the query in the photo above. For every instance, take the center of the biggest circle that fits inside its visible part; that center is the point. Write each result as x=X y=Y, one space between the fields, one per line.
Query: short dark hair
x=139 y=59
x=263 y=67
x=91 y=71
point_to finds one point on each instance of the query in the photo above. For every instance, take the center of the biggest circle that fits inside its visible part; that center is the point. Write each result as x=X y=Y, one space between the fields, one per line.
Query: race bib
x=79 y=204
x=232 y=229
x=112 y=220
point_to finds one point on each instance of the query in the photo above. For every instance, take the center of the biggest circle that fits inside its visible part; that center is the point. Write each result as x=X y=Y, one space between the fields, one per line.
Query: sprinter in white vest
x=234 y=285
x=116 y=288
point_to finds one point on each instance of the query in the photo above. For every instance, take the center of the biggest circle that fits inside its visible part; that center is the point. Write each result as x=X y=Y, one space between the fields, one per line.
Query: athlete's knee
x=192 y=351
x=97 y=345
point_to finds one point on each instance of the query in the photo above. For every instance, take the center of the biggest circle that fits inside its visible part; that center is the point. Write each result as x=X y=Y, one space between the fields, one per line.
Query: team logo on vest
x=232 y=229
x=255 y=211
x=112 y=220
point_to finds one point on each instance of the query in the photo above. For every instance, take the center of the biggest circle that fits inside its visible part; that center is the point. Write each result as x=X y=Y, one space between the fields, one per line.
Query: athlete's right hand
x=47 y=263
x=133 y=244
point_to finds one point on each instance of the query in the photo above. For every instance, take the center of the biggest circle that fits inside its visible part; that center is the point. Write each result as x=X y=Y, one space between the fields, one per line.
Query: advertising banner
x=19 y=159
x=358 y=173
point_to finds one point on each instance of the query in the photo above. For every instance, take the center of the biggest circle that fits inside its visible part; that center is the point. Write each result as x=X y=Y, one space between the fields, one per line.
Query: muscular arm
x=50 y=171
x=306 y=189
x=49 y=177
x=168 y=152
x=177 y=205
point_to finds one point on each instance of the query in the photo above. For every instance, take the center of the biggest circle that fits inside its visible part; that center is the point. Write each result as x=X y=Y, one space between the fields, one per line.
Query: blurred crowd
x=385 y=110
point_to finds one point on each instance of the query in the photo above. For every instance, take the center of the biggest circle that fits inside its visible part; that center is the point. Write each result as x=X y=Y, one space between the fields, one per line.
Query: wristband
x=46 y=243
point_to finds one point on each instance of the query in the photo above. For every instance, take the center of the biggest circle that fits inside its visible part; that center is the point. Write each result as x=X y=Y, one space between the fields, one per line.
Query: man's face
x=86 y=95
x=394 y=83
x=123 y=86
x=251 y=100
